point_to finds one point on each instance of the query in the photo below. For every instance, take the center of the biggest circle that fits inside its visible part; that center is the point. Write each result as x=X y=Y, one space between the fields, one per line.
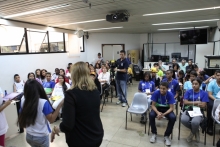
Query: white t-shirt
x=105 y=76
x=58 y=90
x=42 y=126
x=54 y=77
x=3 y=121
x=19 y=86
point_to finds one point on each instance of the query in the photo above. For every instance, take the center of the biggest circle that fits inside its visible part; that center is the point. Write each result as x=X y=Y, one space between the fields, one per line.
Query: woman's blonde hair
x=80 y=76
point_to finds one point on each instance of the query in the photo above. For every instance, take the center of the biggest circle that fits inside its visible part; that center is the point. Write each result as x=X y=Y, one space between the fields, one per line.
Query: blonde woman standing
x=81 y=116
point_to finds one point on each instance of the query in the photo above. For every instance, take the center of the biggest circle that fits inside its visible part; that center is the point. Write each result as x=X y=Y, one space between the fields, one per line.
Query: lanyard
x=171 y=83
x=161 y=99
x=198 y=97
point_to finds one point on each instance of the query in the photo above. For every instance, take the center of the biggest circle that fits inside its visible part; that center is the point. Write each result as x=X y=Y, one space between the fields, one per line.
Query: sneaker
x=124 y=104
x=118 y=102
x=167 y=141
x=197 y=135
x=190 y=137
x=153 y=138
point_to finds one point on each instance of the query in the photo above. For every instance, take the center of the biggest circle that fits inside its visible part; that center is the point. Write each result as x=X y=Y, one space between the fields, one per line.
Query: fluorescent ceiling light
x=37 y=11
x=186 y=22
x=80 y=22
x=191 y=10
x=103 y=28
x=183 y=28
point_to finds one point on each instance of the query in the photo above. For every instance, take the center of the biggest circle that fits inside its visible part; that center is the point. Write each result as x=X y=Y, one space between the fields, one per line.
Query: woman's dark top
x=81 y=118
x=98 y=84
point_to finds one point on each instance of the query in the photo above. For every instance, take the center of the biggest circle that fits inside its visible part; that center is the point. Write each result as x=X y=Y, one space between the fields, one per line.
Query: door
x=111 y=51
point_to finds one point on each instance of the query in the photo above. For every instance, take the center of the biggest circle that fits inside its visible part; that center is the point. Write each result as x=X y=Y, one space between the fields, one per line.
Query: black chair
x=105 y=96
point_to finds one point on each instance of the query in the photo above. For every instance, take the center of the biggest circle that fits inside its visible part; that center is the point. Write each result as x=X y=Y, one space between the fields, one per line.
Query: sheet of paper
x=11 y=96
x=194 y=114
x=147 y=90
x=197 y=110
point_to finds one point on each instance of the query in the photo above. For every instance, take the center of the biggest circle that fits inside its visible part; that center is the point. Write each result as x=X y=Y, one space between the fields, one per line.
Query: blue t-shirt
x=196 y=96
x=122 y=64
x=49 y=84
x=188 y=85
x=214 y=88
x=143 y=85
x=206 y=77
x=173 y=85
x=163 y=100
x=129 y=61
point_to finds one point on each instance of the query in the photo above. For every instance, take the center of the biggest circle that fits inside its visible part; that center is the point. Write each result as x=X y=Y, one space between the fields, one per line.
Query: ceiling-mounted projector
x=117 y=17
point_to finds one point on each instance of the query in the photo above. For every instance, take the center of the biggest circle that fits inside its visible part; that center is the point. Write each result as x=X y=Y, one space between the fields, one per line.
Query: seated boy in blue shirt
x=162 y=106
x=48 y=85
x=173 y=84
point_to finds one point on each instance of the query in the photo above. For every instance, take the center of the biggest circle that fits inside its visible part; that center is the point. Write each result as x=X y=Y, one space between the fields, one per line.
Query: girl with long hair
x=35 y=114
x=43 y=75
x=62 y=73
x=37 y=75
x=31 y=76
x=81 y=115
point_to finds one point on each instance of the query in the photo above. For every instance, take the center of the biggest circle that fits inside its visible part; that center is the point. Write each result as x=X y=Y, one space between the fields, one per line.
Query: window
x=12 y=39
x=56 y=42
x=37 y=41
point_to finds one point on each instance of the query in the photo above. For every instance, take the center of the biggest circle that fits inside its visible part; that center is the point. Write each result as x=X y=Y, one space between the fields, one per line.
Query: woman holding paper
x=198 y=99
x=3 y=121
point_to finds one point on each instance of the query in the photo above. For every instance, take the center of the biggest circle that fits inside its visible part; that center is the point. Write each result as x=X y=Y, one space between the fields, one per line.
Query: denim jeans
x=123 y=85
x=171 y=118
x=36 y=141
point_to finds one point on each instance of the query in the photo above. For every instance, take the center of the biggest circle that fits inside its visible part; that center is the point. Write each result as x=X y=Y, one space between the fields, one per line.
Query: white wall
x=93 y=44
x=217 y=44
x=23 y=64
x=166 y=37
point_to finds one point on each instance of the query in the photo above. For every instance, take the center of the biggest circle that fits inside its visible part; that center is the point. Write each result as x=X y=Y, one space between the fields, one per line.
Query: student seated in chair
x=162 y=106
x=48 y=85
x=146 y=86
x=173 y=84
x=196 y=98
x=104 y=78
x=155 y=78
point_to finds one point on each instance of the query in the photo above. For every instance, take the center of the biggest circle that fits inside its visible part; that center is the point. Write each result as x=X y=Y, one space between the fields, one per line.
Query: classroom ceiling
x=79 y=11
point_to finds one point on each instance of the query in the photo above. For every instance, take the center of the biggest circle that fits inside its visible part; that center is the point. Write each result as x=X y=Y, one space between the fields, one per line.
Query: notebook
x=11 y=96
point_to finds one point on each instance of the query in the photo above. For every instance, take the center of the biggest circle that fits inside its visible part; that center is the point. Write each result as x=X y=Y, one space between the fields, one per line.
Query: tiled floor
x=113 y=119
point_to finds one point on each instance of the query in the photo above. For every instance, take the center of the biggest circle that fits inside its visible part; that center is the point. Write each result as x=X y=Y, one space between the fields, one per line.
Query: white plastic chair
x=215 y=105
x=139 y=105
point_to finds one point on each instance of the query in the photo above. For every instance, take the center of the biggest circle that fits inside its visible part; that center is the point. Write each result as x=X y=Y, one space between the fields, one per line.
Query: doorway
x=112 y=51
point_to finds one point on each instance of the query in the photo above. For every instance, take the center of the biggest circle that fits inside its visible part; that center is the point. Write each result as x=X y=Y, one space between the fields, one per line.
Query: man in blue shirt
x=121 y=78
x=173 y=84
x=48 y=85
x=214 y=93
x=162 y=106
